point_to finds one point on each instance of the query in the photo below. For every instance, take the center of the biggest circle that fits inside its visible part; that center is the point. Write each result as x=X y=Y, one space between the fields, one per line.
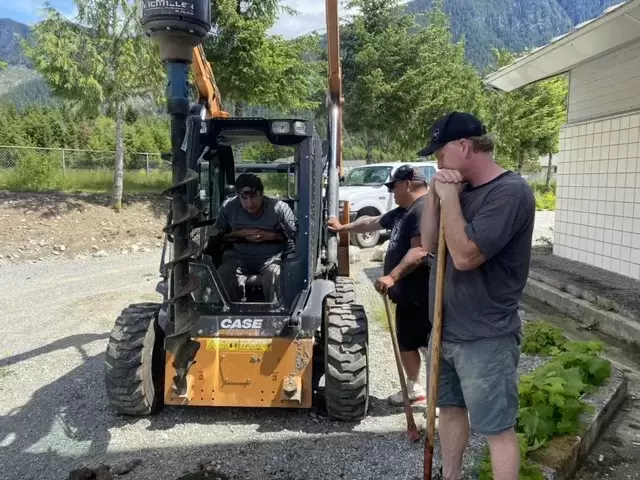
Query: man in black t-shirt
x=406 y=276
x=489 y=216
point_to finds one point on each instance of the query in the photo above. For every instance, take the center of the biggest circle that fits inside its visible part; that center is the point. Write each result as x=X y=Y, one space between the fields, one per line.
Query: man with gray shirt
x=259 y=227
x=489 y=215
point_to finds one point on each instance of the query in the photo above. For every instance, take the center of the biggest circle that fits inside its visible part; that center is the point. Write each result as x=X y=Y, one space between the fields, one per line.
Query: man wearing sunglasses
x=406 y=278
x=259 y=228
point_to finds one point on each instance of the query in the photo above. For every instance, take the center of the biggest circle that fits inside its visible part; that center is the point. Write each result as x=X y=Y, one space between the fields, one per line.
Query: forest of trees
x=397 y=80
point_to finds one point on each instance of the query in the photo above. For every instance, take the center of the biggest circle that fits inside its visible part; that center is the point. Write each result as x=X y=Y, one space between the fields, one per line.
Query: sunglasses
x=246 y=194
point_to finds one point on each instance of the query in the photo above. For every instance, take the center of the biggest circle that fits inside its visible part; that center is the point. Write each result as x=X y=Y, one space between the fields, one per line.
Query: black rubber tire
x=346 y=348
x=134 y=361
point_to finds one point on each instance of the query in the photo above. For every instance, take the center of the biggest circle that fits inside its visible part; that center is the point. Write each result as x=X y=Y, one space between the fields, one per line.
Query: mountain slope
x=512 y=24
x=10 y=34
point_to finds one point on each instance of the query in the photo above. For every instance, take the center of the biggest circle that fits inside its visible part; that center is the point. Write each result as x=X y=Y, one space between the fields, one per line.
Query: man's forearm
x=363 y=225
x=429 y=224
x=458 y=243
x=409 y=263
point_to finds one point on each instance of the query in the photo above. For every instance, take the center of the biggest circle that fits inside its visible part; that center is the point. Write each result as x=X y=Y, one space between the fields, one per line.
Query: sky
x=311 y=14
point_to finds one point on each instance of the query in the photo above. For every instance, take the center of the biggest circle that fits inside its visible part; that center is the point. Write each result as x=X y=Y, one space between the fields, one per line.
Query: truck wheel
x=134 y=361
x=366 y=240
x=346 y=345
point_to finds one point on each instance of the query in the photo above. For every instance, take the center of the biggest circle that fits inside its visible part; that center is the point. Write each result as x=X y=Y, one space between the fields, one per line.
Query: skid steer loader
x=199 y=348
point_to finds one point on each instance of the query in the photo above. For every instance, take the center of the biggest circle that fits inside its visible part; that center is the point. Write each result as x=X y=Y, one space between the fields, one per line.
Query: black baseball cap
x=453 y=126
x=405 y=172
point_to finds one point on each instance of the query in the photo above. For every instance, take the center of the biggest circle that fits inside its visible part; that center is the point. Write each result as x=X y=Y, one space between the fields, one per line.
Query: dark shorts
x=481 y=376
x=413 y=326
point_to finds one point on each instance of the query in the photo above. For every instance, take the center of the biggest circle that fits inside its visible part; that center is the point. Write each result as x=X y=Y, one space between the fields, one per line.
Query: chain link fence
x=74 y=159
x=33 y=169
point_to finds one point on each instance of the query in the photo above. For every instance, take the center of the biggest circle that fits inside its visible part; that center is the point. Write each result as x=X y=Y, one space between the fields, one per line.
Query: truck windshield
x=366 y=176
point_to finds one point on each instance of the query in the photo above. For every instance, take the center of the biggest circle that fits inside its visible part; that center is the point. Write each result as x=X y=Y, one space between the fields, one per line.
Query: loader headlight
x=280 y=128
x=300 y=128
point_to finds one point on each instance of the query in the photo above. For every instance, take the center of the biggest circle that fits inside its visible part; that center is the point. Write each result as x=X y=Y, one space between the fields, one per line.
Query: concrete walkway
x=599 y=299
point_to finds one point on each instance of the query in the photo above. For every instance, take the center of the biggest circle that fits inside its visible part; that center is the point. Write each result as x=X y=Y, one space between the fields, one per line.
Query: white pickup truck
x=363 y=187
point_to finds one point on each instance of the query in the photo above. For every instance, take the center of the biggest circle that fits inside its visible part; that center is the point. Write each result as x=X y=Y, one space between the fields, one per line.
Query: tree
x=100 y=59
x=554 y=94
x=442 y=80
x=254 y=68
x=399 y=81
x=527 y=121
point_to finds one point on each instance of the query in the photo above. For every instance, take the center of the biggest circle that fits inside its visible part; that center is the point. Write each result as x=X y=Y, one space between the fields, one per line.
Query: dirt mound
x=39 y=226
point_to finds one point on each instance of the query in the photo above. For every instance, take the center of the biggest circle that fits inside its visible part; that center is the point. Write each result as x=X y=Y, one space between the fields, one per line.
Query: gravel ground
x=54 y=415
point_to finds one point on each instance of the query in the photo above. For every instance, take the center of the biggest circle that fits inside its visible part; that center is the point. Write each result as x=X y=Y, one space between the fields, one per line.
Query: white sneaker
x=417 y=394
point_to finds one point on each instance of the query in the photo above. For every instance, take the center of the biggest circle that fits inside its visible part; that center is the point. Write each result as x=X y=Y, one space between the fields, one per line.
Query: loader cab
x=296 y=181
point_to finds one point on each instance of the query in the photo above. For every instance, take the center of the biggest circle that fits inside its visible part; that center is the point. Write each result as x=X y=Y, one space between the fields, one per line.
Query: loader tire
x=134 y=361
x=346 y=345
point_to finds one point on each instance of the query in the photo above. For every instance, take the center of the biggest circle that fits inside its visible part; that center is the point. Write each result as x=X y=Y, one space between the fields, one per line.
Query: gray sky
x=311 y=17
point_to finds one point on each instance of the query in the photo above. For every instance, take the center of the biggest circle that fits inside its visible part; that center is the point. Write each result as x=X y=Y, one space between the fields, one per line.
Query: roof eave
x=617 y=26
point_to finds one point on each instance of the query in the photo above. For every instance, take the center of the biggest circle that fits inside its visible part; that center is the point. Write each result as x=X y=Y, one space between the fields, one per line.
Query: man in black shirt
x=406 y=278
x=489 y=216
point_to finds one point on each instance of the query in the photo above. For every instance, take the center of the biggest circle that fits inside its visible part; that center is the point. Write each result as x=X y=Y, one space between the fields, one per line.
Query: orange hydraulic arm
x=335 y=97
x=208 y=92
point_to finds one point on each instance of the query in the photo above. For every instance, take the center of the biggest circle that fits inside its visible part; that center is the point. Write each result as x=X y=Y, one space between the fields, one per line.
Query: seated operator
x=259 y=227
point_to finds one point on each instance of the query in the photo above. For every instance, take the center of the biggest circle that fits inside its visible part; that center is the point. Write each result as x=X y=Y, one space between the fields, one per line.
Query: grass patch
x=83 y=181
x=379 y=314
x=4 y=372
x=41 y=178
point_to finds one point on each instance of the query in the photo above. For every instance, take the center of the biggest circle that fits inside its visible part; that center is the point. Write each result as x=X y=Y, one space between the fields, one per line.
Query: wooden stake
x=414 y=435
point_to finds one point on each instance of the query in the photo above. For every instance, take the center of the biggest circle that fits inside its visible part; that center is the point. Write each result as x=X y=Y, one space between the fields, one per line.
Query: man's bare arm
x=410 y=261
x=430 y=223
x=465 y=253
x=363 y=225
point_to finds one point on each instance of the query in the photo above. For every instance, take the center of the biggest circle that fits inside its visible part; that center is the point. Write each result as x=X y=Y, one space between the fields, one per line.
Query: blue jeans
x=481 y=376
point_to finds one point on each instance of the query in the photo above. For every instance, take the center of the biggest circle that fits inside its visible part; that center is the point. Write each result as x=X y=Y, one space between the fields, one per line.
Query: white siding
x=606 y=86
x=598 y=209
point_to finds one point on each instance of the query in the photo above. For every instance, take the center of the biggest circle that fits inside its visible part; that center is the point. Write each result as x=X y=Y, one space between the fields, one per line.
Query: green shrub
x=275 y=184
x=584 y=356
x=540 y=338
x=550 y=403
x=37 y=172
x=551 y=396
x=541 y=187
x=545 y=201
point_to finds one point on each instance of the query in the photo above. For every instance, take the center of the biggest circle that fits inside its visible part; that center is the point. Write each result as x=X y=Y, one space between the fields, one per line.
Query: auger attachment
x=177 y=29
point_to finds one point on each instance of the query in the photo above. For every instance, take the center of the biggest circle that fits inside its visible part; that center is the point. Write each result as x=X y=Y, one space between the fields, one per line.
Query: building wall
x=598 y=193
x=605 y=86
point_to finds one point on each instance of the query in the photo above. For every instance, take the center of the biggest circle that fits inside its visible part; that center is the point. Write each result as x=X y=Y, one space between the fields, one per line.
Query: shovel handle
x=436 y=342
